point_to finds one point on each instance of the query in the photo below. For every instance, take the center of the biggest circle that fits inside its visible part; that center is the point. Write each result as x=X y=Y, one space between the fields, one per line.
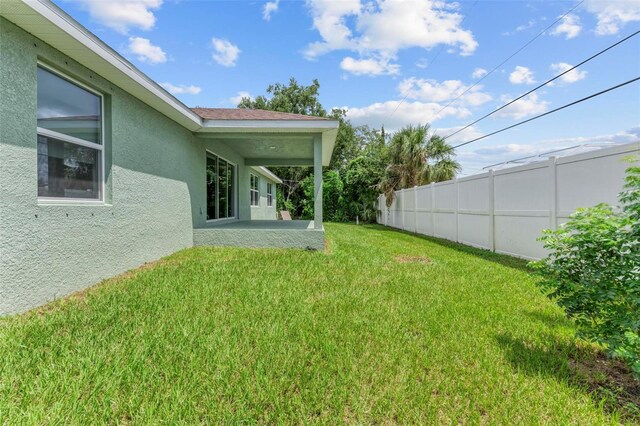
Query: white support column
x=317 y=182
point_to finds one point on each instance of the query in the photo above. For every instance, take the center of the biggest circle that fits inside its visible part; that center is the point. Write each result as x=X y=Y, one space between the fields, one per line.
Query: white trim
x=266 y=173
x=236 y=192
x=77 y=141
x=66 y=138
x=53 y=201
x=309 y=126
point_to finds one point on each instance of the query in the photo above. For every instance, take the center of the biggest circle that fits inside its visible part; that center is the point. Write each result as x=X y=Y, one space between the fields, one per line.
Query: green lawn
x=368 y=332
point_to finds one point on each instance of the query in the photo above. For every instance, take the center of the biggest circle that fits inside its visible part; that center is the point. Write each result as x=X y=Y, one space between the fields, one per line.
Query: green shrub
x=332 y=199
x=593 y=272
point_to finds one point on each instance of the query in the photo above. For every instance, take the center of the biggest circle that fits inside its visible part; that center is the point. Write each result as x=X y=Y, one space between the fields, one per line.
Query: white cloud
x=422 y=63
x=381 y=28
x=521 y=75
x=269 y=9
x=235 y=100
x=478 y=73
x=612 y=15
x=569 y=27
x=465 y=135
x=371 y=67
x=181 y=89
x=225 y=52
x=570 y=77
x=527 y=106
x=473 y=158
x=145 y=51
x=530 y=24
x=408 y=112
x=121 y=15
x=427 y=90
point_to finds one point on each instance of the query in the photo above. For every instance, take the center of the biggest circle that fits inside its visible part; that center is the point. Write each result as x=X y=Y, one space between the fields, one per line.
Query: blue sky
x=369 y=55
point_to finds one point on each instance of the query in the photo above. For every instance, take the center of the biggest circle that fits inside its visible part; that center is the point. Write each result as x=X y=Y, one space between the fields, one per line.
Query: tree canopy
x=365 y=161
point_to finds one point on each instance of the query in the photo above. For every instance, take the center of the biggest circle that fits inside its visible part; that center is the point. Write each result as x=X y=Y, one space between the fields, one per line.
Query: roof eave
x=69 y=33
x=268 y=173
x=327 y=128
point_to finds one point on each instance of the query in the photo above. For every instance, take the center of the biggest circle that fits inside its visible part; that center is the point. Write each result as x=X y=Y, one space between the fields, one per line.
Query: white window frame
x=269 y=194
x=234 y=189
x=76 y=141
x=257 y=191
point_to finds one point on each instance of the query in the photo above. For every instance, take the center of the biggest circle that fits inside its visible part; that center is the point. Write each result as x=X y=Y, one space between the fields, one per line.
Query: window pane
x=67 y=170
x=212 y=180
x=68 y=109
x=222 y=189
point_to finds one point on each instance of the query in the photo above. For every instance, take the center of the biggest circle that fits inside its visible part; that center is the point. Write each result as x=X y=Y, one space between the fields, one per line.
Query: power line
x=506 y=60
x=546 y=113
x=435 y=57
x=544 y=84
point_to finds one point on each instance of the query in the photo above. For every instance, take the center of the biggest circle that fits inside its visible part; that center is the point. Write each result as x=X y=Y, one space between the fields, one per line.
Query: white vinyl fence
x=506 y=210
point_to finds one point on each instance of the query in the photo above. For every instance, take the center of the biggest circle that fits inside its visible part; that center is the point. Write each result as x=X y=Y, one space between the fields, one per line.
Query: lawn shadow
x=502 y=259
x=551 y=321
x=582 y=366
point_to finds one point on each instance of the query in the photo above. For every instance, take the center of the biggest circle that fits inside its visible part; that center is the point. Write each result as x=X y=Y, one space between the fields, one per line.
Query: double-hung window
x=255 y=190
x=70 y=139
x=269 y=194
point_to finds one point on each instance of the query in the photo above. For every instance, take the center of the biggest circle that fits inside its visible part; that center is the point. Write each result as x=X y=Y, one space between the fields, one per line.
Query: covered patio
x=269 y=139
x=262 y=233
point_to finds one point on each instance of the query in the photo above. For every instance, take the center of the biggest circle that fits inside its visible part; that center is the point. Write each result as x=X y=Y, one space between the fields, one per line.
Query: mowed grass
x=368 y=332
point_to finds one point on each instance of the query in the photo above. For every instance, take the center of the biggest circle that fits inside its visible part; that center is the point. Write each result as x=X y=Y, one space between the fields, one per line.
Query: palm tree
x=417 y=158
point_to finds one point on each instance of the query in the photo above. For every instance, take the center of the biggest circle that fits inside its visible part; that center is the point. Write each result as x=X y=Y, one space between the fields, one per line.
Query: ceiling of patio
x=271 y=147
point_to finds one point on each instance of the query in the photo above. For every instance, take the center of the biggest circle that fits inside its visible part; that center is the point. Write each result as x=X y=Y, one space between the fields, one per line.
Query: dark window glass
x=67 y=170
x=230 y=180
x=212 y=181
x=269 y=194
x=67 y=108
x=220 y=188
x=223 y=186
x=255 y=192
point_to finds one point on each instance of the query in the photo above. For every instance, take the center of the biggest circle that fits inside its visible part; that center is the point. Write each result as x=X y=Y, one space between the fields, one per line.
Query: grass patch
x=353 y=335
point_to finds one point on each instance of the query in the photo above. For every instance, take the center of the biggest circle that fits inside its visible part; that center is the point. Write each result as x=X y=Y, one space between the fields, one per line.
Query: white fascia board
x=64 y=23
x=307 y=126
x=267 y=173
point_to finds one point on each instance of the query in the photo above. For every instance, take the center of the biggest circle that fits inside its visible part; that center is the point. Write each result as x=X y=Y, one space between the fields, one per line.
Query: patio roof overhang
x=274 y=143
x=48 y=22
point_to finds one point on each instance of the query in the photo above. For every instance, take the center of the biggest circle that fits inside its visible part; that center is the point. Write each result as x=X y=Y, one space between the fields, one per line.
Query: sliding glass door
x=221 y=187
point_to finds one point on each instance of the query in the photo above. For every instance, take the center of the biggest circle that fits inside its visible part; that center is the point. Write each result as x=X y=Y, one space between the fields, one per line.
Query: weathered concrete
x=262 y=233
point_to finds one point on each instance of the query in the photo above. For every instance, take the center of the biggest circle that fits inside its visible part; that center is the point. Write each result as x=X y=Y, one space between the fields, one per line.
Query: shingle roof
x=249 y=114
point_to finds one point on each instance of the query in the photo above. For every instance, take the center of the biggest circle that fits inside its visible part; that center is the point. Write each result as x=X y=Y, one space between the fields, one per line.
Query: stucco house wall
x=155 y=186
x=263 y=211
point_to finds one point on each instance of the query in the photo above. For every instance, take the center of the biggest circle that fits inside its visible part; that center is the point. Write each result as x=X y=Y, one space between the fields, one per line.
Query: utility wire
x=544 y=84
x=602 y=92
x=435 y=57
x=506 y=60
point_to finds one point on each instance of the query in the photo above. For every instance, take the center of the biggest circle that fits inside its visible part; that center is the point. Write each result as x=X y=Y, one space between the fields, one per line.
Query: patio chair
x=284 y=215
